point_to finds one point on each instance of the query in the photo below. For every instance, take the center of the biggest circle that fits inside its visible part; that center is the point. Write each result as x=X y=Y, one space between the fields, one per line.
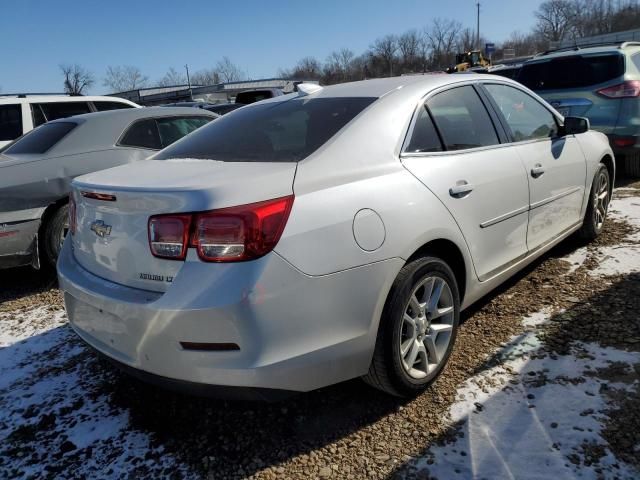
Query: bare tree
x=441 y=37
x=556 y=19
x=409 y=48
x=308 y=68
x=205 y=77
x=121 y=78
x=338 y=67
x=77 y=79
x=385 y=49
x=467 y=40
x=171 y=78
x=228 y=71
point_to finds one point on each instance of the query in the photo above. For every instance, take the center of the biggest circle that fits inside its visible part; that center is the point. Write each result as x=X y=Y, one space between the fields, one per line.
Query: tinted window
x=142 y=134
x=10 y=122
x=252 y=97
x=526 y=117
x=462 y=119
x=172 y=129
x=285 y=131
x=37 y=115
x=575 y=71
x=42 y=138
x=424 y=137
x=53 y=111
x=102 y=106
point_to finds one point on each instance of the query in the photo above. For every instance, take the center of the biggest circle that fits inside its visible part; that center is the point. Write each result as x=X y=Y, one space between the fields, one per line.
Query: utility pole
x=478 y=26
x=189 y=83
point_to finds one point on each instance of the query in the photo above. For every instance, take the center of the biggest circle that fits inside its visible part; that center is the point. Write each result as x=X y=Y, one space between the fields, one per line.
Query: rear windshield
x=576 y=71
x=272 y=132
x=41 y=139
x=252 y=97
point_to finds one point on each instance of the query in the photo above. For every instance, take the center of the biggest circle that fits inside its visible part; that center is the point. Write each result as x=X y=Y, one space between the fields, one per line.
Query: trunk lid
x=111 y=239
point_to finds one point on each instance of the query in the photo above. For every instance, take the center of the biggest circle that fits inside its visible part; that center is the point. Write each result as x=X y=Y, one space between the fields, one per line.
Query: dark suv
x=600 y=82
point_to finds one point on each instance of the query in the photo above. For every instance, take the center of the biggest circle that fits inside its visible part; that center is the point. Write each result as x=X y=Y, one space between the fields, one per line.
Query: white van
x=20 y=113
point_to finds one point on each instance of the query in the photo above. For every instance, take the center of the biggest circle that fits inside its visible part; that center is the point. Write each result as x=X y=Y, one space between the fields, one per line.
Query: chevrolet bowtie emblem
x=101 y=229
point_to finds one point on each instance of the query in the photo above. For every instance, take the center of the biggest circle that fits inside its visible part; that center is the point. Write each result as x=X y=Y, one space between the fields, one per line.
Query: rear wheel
x=53 y=234
x=598 y=205
x=417 y=329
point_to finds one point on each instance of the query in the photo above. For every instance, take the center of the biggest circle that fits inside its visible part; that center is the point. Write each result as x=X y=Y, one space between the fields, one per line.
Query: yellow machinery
x=467 y=60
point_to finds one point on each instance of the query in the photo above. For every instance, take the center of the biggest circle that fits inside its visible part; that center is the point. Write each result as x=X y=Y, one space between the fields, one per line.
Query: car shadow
x=490 y=444
x=17 y=283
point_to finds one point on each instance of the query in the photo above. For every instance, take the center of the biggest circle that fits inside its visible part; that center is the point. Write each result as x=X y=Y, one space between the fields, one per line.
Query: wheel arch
x=449 y=252
x=608 y=162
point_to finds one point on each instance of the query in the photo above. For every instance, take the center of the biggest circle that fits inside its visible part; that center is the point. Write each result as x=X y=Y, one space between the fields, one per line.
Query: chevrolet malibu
x=328 y=234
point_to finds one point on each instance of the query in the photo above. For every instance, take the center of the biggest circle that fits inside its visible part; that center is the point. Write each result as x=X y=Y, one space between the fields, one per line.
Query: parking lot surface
x=544 y=382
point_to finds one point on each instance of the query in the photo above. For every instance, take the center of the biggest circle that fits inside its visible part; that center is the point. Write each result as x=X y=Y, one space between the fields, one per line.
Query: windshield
x=285 y=131
x=576 y=71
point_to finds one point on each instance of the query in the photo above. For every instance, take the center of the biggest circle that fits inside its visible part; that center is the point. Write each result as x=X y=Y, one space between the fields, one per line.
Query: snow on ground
x=47 y=397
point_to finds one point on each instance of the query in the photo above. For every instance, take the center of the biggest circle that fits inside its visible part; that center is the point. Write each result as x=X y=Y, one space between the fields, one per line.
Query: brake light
x=72 y=214
x=240 y=233
x=168 y=236
x=628 y=89
x=229 y=234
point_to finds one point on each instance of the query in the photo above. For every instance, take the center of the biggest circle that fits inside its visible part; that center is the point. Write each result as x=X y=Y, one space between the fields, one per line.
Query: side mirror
x=575 y=125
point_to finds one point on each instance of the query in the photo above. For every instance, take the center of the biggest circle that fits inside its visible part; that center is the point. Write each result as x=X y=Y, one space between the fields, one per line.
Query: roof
x=586 y=49
x=38 y=98
x=101 y=130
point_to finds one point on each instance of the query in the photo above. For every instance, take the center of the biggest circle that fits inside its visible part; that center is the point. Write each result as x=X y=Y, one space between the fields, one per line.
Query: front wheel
x=53 y=234
x=417 y=329
x=598 y=206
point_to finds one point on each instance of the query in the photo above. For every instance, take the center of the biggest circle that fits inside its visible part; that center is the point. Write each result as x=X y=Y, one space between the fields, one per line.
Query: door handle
x=460 y=189
x=537 y=171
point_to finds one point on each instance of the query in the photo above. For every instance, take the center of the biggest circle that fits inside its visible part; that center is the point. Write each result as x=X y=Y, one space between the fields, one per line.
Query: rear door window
x=286 y=131
x=37 y=115
x=10 y=122
x=424 y=137
x=575 y=71
x=104 y=106
x=142 y=134
x=462 y=119
x=41 y=139
x=174 y=128
x=526 y=117
x=55 y=110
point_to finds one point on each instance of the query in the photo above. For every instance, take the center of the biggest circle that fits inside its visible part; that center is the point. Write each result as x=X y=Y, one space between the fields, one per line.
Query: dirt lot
x=544 y=383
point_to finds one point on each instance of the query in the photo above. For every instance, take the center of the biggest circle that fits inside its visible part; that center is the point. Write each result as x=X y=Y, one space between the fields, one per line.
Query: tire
x=631 y=165
x=598 y=205
x=392 y=371
x=53 y=233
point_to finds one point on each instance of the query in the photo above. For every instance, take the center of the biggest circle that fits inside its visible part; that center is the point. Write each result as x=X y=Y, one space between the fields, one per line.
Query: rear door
x=556 y=167
x=454 y=150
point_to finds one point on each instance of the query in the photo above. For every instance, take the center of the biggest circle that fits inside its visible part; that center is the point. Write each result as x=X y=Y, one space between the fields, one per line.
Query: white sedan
x=329 y=234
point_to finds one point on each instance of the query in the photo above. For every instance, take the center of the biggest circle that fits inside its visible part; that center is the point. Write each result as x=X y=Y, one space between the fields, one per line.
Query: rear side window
x=286 y=131
x=173 y=129
x=526 y=117
x=576 y=71
x=55 y=110
x=10 y=122
x=42 y=138
x=37 y=115
x=252 y=97
x=142 y=134
x=462 y=119
x=424 y=137
x=103 y=106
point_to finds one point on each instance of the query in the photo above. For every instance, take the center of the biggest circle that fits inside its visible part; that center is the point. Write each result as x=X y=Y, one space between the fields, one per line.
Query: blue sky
x=37 y=36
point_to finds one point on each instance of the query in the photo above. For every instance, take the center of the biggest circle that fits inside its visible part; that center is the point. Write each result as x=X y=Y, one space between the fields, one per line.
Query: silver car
x=36 y=170
x=329 y=234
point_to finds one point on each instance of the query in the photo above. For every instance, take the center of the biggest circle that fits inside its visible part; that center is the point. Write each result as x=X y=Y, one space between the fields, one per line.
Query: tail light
x=628 y=89
x=230 y=234
x=72 y=214
x=168 y=236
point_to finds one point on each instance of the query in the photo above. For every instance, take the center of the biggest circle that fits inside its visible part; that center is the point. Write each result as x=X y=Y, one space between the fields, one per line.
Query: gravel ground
x=66 y=414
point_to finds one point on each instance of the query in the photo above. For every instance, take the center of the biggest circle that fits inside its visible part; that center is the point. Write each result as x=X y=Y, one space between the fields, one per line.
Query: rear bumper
x=294 y=332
